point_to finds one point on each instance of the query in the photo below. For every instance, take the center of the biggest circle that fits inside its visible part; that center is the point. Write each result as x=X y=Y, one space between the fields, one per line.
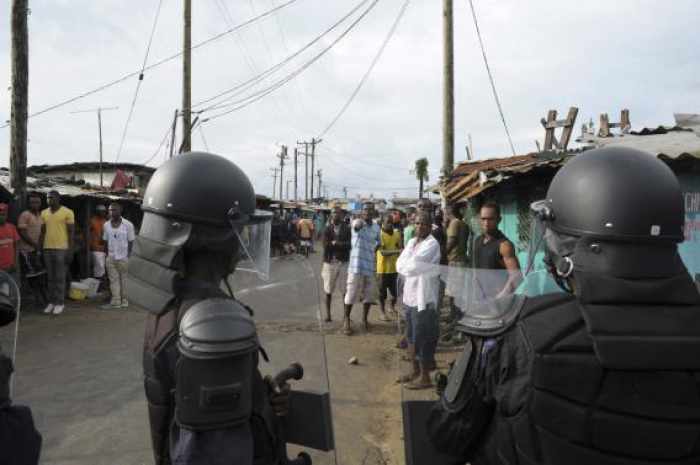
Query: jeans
x=423 y=331
x=55 y=261
x=116 y=270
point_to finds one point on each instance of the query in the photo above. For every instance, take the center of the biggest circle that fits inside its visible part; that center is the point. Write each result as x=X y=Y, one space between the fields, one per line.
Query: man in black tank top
x=493 y=251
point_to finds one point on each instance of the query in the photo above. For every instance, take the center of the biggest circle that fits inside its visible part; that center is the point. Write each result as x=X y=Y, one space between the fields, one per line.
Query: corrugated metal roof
x=45 y=184
x=89 y=166
x=473 y=178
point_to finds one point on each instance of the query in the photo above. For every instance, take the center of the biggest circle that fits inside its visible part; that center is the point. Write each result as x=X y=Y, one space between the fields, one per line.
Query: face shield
x=254 y=238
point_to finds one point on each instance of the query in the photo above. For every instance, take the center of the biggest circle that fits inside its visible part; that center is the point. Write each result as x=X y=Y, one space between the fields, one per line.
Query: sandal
x=416 y=385
x=407 y=378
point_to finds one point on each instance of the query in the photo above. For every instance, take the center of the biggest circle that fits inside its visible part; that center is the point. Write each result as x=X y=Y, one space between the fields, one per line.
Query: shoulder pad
x=492 y=317
x=217 y=327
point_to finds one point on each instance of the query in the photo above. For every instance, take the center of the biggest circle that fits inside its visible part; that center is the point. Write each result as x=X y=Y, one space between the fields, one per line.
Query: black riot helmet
x=606 y=211
x=201 y=188
x=615 y=193
x=197 y=202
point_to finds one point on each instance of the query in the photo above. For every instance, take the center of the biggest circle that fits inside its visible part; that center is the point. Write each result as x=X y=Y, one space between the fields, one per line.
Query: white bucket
x=93 y=285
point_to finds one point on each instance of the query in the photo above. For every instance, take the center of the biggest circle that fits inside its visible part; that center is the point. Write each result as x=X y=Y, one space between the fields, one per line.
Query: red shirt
x=8 y=241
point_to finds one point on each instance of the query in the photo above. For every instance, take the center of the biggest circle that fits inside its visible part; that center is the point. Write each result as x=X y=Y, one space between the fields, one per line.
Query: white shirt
x=118 y=238
x=419 y=264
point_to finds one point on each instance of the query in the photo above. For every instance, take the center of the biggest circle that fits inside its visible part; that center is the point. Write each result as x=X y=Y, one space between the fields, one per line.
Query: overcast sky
x=598 y=55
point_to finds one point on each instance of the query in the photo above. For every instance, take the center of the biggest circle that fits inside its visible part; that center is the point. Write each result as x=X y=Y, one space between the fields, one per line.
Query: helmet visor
x=255 y=245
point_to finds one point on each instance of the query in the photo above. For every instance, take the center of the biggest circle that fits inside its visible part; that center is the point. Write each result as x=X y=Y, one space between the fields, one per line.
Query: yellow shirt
x=57 y=227
x=388 y=242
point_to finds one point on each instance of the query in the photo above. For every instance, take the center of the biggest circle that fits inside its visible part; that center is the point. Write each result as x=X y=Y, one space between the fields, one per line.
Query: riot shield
x=445 y=308
x=10 y=303
x=286 y=313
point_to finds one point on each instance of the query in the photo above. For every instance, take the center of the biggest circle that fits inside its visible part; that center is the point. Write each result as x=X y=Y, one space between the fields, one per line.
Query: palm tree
x=421 y=172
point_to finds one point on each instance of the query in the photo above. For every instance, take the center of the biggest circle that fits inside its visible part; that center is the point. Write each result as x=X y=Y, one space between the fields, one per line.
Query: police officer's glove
x=279 y=396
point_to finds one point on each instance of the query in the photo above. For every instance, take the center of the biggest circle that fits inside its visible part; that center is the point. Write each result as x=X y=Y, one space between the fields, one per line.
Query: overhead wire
x=376 y=58
x=490 y=74
x=138 y=83
x=254 y=97
x=154 y=65
x=160 y=146
x=255 y=79
x=204 y=139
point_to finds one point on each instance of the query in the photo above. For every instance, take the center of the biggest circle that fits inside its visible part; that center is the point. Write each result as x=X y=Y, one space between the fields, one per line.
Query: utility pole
x=172 y=134
x=187 y=79
x=314 y=141
x=296 y=192
x=345 y=192
x=318 y=174
x=99 y=111
x=274 y=181
x=310 y=182
x=448 y=88
x=19 y=105
x=306 y=169
x=282 y=156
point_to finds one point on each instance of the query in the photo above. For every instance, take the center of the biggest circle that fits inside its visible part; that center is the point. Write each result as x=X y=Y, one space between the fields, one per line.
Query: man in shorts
x=336 y=253
x=362 y=283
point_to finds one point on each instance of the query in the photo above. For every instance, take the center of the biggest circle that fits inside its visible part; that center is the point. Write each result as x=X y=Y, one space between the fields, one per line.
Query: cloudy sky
x=598 y=55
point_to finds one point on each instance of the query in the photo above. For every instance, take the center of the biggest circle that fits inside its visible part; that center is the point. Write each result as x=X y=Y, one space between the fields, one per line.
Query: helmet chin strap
x=560 y=268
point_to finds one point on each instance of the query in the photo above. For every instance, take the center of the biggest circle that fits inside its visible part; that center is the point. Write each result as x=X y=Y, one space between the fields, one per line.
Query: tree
x=421 y=172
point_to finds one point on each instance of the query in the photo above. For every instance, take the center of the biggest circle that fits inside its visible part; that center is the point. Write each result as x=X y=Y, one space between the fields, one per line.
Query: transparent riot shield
x=288 y=320
x=445 y=308
x=10 y=304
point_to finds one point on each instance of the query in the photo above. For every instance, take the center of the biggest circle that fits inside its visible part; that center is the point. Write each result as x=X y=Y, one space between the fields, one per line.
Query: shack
x=515 y=182
x=79 y=192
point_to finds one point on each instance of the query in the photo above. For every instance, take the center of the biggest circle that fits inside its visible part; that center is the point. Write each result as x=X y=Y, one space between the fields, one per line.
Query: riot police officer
x=207 y=402
x=607 y=372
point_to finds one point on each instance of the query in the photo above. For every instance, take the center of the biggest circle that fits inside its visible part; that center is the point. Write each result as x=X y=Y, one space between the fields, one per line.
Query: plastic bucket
x=78 y=291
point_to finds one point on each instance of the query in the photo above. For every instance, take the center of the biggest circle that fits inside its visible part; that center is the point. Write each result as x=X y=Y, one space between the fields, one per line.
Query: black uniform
x=160 y=358
x=613 y=380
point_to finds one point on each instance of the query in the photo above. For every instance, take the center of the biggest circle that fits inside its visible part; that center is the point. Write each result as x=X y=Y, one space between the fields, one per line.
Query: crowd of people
x=39 y=250
x=417 y=257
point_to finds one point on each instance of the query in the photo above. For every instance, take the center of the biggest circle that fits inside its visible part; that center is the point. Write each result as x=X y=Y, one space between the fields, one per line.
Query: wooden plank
x=549 y=133
x=569 y=128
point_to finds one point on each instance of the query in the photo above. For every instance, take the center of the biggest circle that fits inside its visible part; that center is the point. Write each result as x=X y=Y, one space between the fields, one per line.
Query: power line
x=493 y=85
x=255 y=79
x=204 y=140
x=388 y=37
x=254 y=97
x=156 y=64
x=138 y=84
x=162 y=142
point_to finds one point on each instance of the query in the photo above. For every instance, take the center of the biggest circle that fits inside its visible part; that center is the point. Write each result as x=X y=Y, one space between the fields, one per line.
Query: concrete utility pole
x=99 y=111
x=274 y=181
x=187 y=79
x=172 y=134
x=282 y=156
x=318 y=174
x=306 y=169
x=314 y=141
x=296 y=192
x=19 y=105
x=448 y=88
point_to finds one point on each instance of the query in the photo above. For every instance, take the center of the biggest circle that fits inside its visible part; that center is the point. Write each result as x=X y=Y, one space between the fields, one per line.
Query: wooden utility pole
x=274 y=170
x=187 y=79
x=172 y=134
x=296 y=192
x=318 y=174
x=552 y=123
x=448 y=89
x=282 y=156
x=19 y=105
x=313 y=159
x=99 y=111
x=345 y=192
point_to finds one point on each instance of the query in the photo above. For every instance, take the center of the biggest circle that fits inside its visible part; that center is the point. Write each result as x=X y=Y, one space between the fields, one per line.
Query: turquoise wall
x=690 y=249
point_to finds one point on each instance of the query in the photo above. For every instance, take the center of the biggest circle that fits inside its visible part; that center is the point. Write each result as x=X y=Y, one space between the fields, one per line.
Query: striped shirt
x=362 y=255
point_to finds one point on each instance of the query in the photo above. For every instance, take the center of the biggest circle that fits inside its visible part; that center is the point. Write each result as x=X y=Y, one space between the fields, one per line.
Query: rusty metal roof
x=470 y=179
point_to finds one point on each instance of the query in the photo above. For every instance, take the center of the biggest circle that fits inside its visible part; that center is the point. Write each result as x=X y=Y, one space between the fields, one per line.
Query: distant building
x=136 y=176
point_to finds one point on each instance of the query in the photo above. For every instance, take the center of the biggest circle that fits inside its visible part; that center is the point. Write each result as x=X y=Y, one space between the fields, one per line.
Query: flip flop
x=406 y=379
x=416 y=386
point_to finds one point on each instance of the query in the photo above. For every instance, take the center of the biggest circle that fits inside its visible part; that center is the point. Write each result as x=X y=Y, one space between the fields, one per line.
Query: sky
x=597 y=55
